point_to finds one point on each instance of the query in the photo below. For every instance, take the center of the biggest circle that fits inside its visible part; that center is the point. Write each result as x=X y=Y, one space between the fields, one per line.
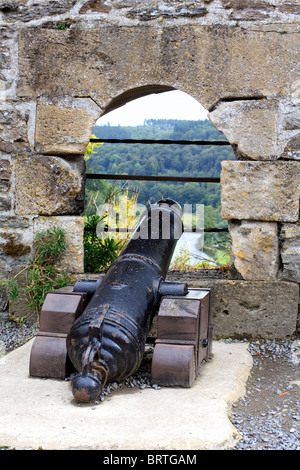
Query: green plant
x=183 y=262
x=62 y=26
x=10 y=287
x=49 y=246
x=98 y=254
x=42 y=272
x=218 y=246
x=91 y=147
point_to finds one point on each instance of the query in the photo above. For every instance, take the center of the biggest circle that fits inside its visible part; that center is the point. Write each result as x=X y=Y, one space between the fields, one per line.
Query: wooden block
x=59 y=311
x=183 y=338
x=178 y=319
x=204 y=332
x=203 y=296
x=48 y=357
x=173 y=365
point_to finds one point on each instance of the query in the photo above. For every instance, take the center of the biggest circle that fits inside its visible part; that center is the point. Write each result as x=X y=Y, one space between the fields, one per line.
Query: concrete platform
x=39 y=413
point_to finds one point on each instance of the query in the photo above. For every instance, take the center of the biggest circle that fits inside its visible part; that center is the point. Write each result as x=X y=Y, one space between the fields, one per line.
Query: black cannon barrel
x=107 y=342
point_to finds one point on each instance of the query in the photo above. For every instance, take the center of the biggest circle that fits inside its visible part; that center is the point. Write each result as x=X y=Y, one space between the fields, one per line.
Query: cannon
x=106 y=343
x=95 y=331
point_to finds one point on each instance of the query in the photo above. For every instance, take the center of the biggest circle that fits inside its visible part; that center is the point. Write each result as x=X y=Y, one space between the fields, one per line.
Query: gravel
x=13 y=334
x=267 y=417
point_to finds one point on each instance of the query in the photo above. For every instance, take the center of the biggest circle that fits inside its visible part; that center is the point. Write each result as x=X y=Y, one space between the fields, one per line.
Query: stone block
x=264 y=129
x=72 y=259
x=47 y=185
x=14 y=10
x=290 y=251
x=289 y=128
x=64 y=126
x=249 y=10
x=252 y=126
x=250 y=309
x=289 y=8
x=267 y=191
x=95 y=6
x=292 y=149
x=13 y=129
x=16 y=239
x=255 y=249
x=211 y=61
x=292 y=120
x=255 y=10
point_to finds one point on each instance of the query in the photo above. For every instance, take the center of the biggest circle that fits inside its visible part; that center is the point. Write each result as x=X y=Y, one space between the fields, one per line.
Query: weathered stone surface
x=289 y=128
x=264 y=129
x=27 y=10
x=120 y=4
x=16 y=238
x=209 y=62
x=255 y=249
x=251 y=309
x=48 y=185
x=292 y=149
x=290 y=251
x=14 y=223
x=4 y=57
x=6 y=32
x=252 y=126
x=3 y=306
x=251 y=10
x=72 y=259
x=292 y=120
x=8 y=62
x=266 y=191
x=5 y=185
x=295 y=93
x=64 y=126
x=5 y=202
x=291 y=7
x=170 y=9
x=248 y=9
x=5 y=174
x=92 y=6
x=20 y=308
x=13 y=129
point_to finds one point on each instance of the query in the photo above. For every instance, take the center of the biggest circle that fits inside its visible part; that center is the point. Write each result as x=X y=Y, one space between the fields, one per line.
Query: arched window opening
x=182 y=162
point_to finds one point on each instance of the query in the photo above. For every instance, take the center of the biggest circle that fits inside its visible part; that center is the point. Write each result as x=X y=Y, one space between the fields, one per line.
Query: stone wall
x=63 y=64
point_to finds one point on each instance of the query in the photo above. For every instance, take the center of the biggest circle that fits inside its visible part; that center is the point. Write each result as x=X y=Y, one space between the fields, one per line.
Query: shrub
x=98 y=254
x=42 y=273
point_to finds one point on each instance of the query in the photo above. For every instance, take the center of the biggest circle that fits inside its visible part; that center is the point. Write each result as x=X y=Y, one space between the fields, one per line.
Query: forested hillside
x=156 y=159
x=139 y=159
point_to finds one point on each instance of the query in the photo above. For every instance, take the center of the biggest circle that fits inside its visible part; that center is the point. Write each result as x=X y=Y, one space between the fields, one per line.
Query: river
x=188 y=241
